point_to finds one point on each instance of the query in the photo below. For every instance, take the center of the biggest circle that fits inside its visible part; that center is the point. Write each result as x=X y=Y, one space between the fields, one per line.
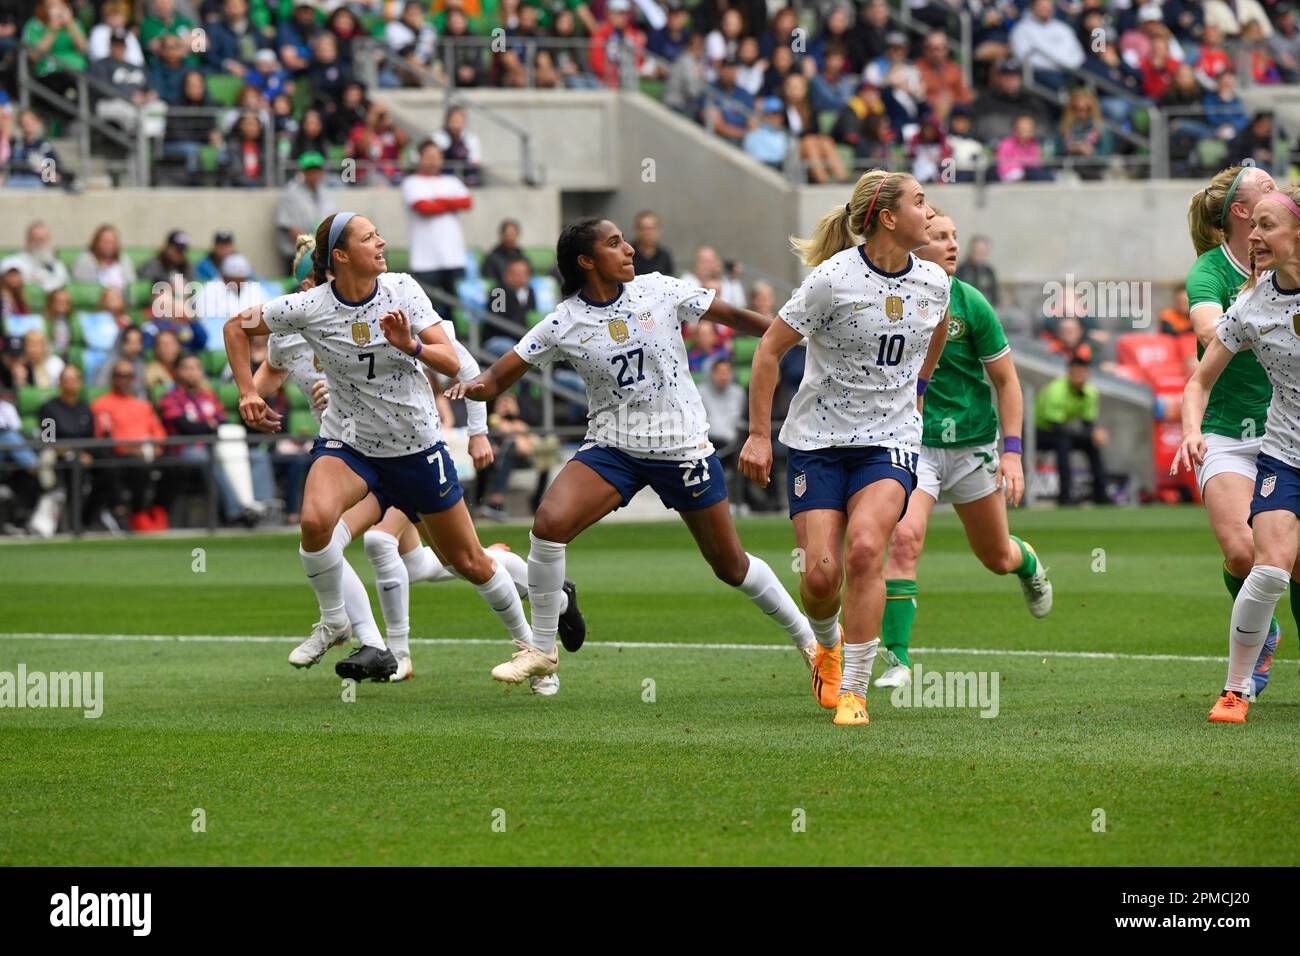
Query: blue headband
x=336 y=230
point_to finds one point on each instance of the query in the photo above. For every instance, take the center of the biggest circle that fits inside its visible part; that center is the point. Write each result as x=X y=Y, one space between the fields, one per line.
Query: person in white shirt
x=374 y=333
x=1231 y=18
x=709 y=266
x=1048 y=45
x=38 y=262
x=434 y=201
x=622 y=334
x=871 y=313
x=1266 y=319
x=113 y=19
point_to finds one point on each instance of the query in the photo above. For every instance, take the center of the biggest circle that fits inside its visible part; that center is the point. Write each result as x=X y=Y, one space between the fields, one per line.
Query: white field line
x=630 y=645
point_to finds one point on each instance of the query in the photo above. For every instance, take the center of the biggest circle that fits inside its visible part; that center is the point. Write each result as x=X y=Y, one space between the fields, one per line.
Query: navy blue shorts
x=828 y=477
x=680 y=485
x=1277 y=487
x=419 y=484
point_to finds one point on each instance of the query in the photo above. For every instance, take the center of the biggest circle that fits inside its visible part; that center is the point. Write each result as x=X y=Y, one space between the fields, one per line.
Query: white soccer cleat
x=899 y=675
x=547 y=686
x=526 y=662
x=404 y=669
x=323 y=637
x=809 y=654
x=1038 y=592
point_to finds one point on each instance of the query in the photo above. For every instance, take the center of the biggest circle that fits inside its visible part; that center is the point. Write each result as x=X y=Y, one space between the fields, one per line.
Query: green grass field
x=714 y=770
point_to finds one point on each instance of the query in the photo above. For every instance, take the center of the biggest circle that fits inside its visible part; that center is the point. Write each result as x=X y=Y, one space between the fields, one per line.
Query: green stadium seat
x=534 y=317
x=31 y=398
x=1141 y=121
x=214 y=363
x=157 y=391
x=139 y=293
x=826 y=121
x=224 y=89
x=228 y=392
x=541 y=258
x=742 y=375
x=743 y=349
x=139 y=255
x=399 y=260
x=85 y=295
x=1212 y=153
x=334 y=158
x=30 y=425
x=302 y=423
x=297 y=400
x=69 y=255
x=35 y=297
x=97 y=392
x=77 y=356
x=652 y=88
x=210 y=158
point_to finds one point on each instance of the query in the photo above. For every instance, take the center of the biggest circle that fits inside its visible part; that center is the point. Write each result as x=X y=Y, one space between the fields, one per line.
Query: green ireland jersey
x=958 y=401
x=1239 y=400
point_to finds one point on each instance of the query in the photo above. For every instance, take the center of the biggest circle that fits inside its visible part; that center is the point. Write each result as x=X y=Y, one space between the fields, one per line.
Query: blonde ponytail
x=1205 y=213
x=875 y=191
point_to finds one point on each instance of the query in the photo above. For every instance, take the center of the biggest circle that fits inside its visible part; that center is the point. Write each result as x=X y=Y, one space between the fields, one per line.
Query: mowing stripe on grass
x=631 y=645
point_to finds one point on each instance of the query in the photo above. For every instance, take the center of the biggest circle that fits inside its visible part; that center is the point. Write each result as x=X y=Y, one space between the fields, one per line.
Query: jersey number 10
x=891 y=350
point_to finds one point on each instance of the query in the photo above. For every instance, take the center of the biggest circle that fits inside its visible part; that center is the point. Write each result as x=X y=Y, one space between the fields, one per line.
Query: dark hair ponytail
x=320 y=256
x=577 y=239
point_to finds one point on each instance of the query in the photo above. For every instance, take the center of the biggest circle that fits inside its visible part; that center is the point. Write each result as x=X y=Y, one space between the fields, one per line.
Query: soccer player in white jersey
x=622 y=333
x=374 y=333
x=872 y=314
x=1266 y=319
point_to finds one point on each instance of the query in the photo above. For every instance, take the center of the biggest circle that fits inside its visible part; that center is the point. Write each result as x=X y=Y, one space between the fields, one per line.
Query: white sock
x=325 y=575
x=762 y=587
x=1251 y=615
x=393 y=587
x=545 y=590
x=423 y=565
x=826 y=630
x=858 y=659
x=517 y=568
x=500 y=594
x=357 y=603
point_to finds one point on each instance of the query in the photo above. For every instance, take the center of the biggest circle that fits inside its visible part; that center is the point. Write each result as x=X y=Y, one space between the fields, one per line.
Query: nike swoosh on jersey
x=444 y=494
x=696 y=494
x=587 y=339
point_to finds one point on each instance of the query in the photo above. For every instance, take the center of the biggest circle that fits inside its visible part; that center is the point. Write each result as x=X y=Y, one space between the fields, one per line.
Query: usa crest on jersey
x=800 y=484
x=1267 y=485
x=646 y=321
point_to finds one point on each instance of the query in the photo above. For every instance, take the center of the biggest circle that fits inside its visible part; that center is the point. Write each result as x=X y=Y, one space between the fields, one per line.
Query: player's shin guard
x=1234 y=583
x=545 y=590
x=900 y=612
x=393 y=584
x=762 y=587
x=500 y=594
x=858 y=659
x=357 y=603
x=423 y=565
x=325 y=574
x=517 y=568
x=1251 y=612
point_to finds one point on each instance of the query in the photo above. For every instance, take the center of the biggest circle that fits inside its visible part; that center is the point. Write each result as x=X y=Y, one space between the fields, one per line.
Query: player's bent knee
x=317 y=525
x=1240 y=558
x=822 y=580
x=473 y=564
x=905 y=548
x=730 y=570
x=379 y=545
x=551 y=527
x=864 y=558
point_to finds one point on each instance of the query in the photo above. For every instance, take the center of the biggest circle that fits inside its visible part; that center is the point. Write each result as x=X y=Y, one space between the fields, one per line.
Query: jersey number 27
x=624 y=363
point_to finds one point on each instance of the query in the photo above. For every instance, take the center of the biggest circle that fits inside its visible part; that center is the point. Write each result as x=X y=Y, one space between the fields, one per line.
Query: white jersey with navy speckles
x=630 y=353
x=1267 y=320
x=381 y=402
x=291 y=353
x=868 y=332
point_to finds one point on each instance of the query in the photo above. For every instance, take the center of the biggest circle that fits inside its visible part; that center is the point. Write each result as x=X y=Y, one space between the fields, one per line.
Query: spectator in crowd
x=1135 y=44
x=192 y=408
x=1084 y=138
x=648 y=255
x=233 y=292
x=303 y=205
x=57 y=45
x=1158 y=68
x=113 y=302
x=709 y=267
x=23 y=479
x=928 y=150
x=831 y=88
x=167 y=313
x=868 y=36
x=1254 y=50
x=1045 y=44
x=39 y=262
x=687 y=78
x=1020 y=155
x=113 y=16
x=342 y=23
x=1067 y=336
x=167 y=69
x=670 y=41
x=434 y=201
x=412 y=38
x=267 y=75
x=1213 y=61
x=1285 y=44
x=978 y=271
x=165 y=21
x=779 y=65
x=996 y=108
x=466 y=57
x=39 y=366
x=188 y=132
x=310 y=136
x=726 y=408
x=515 y=444
x=1065 y=415
x=724 y=41
x=344 y=115
x=706 y=347
x=816 y=149
x=1224 y=110
x=617 y=46
x=750 y=68
x=1231 y=17
x=33 y=160
x=171 y=260
x=209 y=267
x=462 y=153
x=511 y=300
x=1184 y=102
x=1256 y=142
x=160 y=373
x=233 y=40
x=58 y=320
x=895 y=70
x=1105 y=63
x=295 y=35
x=377 y=145
x=769 y=141
x=104 y=261
x=245 y=159
x=504 y=252
x=122 y=415
x=966 y=151
x=328 y=75
x=73 y=420
x=728 y=106
x=128 y=352
x=945 y=87
x=1177 y=319
x=249 y=100
x=1186 y=18
x=13 y=294
x=134 y=99
x=864 y=125
x=836 y=33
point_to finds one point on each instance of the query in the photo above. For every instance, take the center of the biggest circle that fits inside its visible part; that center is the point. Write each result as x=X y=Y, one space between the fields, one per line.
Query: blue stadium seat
x=98 y=330
x=92 y=361
x=472 y=292
x=16 y=326
x=216 y=329
x=546 y=293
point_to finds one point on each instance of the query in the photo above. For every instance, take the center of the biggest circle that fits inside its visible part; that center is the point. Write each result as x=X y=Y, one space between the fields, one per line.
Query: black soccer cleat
x=573 y=627
x=367 y=663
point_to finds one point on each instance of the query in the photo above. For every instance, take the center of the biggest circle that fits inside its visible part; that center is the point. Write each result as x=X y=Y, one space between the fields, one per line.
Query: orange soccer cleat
x=827 y=672
x=851 y=709
x=1229 y=709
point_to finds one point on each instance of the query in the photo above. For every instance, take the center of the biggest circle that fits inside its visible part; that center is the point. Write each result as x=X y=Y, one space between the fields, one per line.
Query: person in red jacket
x=614 y=41
x=123 y=417
x=434 y=201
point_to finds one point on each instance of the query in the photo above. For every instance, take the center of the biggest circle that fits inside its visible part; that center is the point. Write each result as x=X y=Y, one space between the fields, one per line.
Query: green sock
x=1233 y=584
x=900 y=611
x=1028 y=559
x=1295 y=601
